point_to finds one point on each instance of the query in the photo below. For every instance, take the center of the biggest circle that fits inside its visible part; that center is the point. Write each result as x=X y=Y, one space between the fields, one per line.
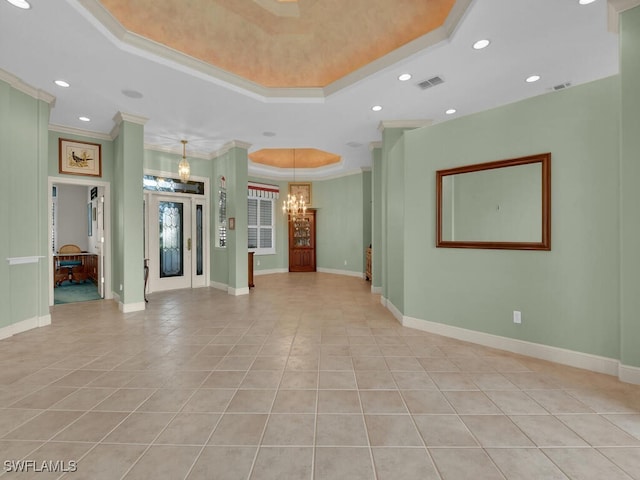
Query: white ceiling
x=558 y=39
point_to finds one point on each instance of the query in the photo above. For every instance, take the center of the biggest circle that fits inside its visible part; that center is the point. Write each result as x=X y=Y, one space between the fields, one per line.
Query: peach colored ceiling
x=324 y=40
x=290 y=157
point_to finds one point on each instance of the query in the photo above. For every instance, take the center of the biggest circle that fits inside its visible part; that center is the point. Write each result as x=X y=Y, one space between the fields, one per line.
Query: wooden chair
x=74 y=265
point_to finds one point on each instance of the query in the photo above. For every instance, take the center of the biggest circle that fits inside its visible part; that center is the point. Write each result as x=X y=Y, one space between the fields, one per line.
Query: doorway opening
x=79 y=247
x=176 y=233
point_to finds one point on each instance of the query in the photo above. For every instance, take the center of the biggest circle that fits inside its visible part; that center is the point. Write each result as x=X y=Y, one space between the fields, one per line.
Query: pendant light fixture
x=184 y=169
x=294 y=206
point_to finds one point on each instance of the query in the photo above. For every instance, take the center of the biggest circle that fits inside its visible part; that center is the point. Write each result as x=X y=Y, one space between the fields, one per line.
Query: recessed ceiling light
x=451 y=111
x=84 y=119
x=62 y=83
x=586 y=2
x=132 y=94
x=376 y=108
x=269 y=134
x=480 y=44
x=532 y=78
x=404 y=77
x=20 y=4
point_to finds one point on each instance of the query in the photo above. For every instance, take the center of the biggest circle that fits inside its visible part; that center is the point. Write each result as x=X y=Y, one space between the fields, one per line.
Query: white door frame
x=87 y=182
x=149 y=221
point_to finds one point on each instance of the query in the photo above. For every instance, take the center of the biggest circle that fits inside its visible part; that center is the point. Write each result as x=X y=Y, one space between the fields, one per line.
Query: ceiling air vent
x=562 y=86
x=432 y=82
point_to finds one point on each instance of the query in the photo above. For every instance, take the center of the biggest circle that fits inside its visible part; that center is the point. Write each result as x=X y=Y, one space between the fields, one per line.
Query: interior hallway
x=307 y=377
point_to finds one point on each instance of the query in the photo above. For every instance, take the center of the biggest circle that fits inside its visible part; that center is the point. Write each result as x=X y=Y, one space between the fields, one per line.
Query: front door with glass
x=176 y=242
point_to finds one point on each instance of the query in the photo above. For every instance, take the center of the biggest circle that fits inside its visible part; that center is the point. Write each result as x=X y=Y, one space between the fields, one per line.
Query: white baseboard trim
x=572 y=358
x=394 y=310
x=376 y=290
x=270 y=271
x=24 y=325
x=131 y=307
x=218 y=285
x=238 y=291
x=629 y=374
x=334 y=271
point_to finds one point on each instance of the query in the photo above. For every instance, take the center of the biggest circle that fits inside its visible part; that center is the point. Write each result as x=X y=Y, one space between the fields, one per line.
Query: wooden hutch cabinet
x=302 y=243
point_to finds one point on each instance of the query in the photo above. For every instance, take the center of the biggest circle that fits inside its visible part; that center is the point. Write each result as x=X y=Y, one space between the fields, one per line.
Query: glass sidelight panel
x=171 y=239
x=199 y=241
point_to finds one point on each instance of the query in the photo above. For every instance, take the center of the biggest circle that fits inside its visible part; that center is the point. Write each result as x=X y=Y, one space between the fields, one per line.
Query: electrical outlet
x=258 y=263
x=120 y=287
x=517 y=317
x=345 y=262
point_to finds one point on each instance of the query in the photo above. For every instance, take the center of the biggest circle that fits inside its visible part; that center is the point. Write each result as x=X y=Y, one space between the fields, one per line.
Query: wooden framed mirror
x=504 y=204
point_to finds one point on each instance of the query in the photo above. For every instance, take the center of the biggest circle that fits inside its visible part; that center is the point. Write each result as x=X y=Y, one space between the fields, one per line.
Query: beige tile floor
x=308 y=377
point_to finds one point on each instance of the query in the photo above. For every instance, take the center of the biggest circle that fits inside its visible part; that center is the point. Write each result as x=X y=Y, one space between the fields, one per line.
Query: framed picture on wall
x=299 y=189
x=79 y=158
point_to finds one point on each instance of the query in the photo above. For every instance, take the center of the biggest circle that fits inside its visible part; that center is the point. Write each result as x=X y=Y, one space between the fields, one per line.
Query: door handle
x=189 y=244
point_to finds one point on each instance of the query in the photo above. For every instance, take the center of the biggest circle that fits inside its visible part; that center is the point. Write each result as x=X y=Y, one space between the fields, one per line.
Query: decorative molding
x=238 y=291
x=330 y=172
x=79 y=132
x=109 y=26
x=334 y=271
x=374 y=145
x=366 y=169
x=218 y=285
x=615 y=8
x=23 y=260
x=228 y=146
x=128 y=117
x=131 y=307
x=270 y=271
x=23 y=87
x=394 y=310
x=629 y=374
x=24 y=325
x=405 y=124
x=537 y=350
x=177 y=151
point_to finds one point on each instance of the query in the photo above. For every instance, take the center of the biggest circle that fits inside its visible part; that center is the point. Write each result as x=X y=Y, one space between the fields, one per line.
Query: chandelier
x=294 y=206
x=184 y=169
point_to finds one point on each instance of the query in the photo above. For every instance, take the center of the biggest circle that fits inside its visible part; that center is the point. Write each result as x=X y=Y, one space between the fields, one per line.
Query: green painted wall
x=630 y=193
x=128 y=233
x=106 y=148
x=568 y=296
x=229 y=265
x=500 y=205
x=367 y=205
x=23 y=156
x=395 y=225
x=376 y=217
x=340 y=223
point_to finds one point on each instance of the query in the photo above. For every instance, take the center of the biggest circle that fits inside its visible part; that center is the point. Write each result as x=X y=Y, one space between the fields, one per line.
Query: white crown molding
x=329 y=172
x=80 y=132
x=228 y=146
x=109 y=26
x=412 y=48
x=366 y=169
x=23 y=87
x=406 y=124
x=176 y=151
x=128 y=117
x=615 y=8
x=374 y=145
